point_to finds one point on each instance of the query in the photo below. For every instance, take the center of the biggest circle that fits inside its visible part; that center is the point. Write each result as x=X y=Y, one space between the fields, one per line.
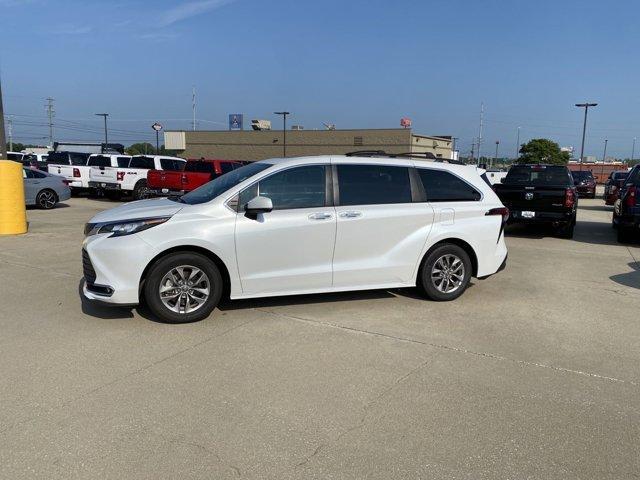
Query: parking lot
x=532 y=373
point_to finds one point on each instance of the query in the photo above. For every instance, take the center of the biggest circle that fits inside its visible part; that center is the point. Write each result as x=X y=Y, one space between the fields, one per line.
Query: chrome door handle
x=320 y=216
x=351 y=214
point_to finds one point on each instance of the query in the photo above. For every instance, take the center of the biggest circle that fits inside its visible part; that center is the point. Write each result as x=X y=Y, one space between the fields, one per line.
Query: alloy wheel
x=184 y=289
x=47 y=199
x=447 y=273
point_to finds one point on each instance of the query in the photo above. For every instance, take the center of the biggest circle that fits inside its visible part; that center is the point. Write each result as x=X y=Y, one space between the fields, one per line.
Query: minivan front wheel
x=445 y=273
x=183 y=287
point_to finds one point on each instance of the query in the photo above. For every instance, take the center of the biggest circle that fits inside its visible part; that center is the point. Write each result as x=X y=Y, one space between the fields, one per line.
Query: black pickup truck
x=626 y=210
x=540 y=194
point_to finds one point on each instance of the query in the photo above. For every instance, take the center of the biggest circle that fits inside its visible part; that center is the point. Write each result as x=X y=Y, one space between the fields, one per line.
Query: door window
x=145 y=163
x=123 y=162
x=78 y=159
x=299 y=187
x=373 y=184
x=441 y=186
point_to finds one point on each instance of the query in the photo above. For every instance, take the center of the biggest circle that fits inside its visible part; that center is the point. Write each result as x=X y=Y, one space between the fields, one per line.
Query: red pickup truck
x=195 y=174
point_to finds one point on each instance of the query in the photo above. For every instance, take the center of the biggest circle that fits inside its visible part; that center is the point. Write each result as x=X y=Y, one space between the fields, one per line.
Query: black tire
x=46 y=199
x=162 y=267
x=141 y=190
x=429 y=285
x=566 y=230
x=624 y=235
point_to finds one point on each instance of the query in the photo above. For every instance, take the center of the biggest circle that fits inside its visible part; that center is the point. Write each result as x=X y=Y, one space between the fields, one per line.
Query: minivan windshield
x=538 y=175
x=216 y=187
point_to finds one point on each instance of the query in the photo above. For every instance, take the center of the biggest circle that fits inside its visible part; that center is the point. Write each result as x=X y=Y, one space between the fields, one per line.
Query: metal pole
x=495 y=161
x=157 y=142
x=633 y=148
x=604 y=157
x=10 y=125
x=106 y=135
x=3 y=145
x=284 y=131
x=480 y=131
x=50 y=114
x=586 y=106
x=518 y=145
x=193 y=104
x=453 y=147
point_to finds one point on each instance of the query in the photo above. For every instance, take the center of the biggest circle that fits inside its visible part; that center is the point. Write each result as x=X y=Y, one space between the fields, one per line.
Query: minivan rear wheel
x=183 y=287
x=445 y=272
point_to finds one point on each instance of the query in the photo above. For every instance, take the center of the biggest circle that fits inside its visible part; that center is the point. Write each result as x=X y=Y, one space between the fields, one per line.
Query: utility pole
x=633 y=148
x=473 y=145
x=10 y=128
x=604 y=157
x=518 y=144
x=3 y=145
x=495 y=161
x=284 y=131
x=586 y=106
x=193 y=106
x=50 y=113
x=106 y=136
x=480 y=131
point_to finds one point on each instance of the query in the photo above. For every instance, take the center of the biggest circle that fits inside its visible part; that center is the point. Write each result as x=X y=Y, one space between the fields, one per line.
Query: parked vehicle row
x=195 y=174
x=296 y=226
x=626 y=210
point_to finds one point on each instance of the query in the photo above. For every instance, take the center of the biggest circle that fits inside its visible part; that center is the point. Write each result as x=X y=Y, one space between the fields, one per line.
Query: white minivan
x=297 y=226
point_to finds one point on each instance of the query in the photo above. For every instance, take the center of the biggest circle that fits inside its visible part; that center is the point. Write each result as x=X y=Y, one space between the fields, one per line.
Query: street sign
x=156 y=126
x=235 y=121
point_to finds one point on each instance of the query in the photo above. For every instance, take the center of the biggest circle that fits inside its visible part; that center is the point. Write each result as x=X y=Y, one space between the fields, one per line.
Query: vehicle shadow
x=596 y=233
x=629 y=279
x=58 y=205
x=96 y=310
x=597 y=208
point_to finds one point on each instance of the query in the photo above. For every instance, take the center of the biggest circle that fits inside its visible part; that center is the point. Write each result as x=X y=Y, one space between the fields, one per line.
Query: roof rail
x=367 y=153
x=422 y=155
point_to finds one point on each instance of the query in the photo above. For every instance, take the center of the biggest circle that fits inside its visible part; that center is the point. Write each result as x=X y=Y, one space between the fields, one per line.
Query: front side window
x=299 y=187
x=442 y=186
x=373 y=184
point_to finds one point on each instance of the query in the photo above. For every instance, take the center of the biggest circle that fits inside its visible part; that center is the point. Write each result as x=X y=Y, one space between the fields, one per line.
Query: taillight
x=119 y=176
x=76 y=172
x=183 y=178
x=569 y=198
x=630 y=199
x=502 y=211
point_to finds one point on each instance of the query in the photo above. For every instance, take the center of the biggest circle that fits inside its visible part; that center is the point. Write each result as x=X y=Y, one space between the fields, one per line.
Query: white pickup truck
x=133 y=179
x=68 y=165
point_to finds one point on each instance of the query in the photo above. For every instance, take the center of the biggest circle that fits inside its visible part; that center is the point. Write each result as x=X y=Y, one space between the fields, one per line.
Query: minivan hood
x=157 y=207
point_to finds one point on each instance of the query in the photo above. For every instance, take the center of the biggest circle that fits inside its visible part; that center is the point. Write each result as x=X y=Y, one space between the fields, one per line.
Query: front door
x=290 y=249
x=380 y=231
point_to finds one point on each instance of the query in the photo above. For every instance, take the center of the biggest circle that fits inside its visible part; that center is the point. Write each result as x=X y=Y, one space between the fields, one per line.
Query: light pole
x=106 y=135
x=604 y=157
x=584 y=126
x=518 y=144
x=633 y=148
x=3 y=144
x=284 y=131
x=495 y=159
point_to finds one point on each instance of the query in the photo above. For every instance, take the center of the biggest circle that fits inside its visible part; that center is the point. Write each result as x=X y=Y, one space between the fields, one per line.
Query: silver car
x=44 y=189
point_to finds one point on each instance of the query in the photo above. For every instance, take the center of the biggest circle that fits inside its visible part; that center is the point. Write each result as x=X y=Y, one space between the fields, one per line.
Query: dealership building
x=261 y=144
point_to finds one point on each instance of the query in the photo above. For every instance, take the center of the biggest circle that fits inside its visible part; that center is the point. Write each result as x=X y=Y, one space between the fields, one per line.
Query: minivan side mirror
x=258 y=205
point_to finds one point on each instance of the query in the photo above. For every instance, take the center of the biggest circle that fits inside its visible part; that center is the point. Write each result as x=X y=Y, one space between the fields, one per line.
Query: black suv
x=626 y=211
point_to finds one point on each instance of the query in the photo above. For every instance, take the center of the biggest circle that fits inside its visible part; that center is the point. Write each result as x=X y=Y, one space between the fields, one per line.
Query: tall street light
x=106 y=136
x=3 y=143
x=495 y=161
x=604 y=157
x=284 y=131
x=518 y=144
x=633 y=148
x=584 y=126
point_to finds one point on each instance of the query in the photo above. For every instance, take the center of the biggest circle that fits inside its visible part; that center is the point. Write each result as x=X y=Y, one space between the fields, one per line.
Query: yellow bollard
x=13 y=214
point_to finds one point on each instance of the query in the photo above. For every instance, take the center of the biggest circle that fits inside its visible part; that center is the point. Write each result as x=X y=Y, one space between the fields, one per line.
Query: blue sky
x=355 y=63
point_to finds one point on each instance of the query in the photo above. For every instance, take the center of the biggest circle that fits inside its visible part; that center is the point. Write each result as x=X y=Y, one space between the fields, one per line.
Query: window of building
x=373 y=184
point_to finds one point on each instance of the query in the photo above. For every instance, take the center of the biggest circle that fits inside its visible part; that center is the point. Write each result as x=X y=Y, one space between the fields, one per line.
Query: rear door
x=289 y=249
x=380 y=229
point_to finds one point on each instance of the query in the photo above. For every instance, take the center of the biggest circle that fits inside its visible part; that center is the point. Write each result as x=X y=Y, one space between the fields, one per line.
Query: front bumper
x=113 y=267
x=586 y=189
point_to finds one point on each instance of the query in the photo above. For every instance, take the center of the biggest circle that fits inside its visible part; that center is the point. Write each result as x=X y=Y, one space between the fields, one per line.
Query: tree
x=17 y=147
x=141 y=149
x=543 y=150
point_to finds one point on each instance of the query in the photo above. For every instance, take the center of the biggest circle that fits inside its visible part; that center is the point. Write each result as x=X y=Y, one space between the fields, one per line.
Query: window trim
x=336 y=185
x=328 y=197
x=450 y=173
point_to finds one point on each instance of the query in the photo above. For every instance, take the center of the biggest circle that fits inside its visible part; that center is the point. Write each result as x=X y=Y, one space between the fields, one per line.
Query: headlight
x=125 y=227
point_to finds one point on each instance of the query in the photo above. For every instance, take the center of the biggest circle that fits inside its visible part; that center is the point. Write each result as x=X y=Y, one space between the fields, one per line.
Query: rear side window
x=373 y=184
x=123 y=162
x=299 y=187
x=199 y=167
x=57 y=158
x=37 y=174
x=443 y=186
x=79 y=159
x=142 y=162
x=172 y=164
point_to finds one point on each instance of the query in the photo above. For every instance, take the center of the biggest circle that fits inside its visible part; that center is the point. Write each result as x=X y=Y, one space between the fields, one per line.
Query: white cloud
x=188 y=10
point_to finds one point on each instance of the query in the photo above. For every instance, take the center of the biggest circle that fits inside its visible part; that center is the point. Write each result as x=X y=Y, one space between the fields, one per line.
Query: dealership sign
x=235 y=121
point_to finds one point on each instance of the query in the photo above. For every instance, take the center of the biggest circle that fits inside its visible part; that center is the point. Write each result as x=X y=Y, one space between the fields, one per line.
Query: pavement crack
x=202 y=448
x=466 y=351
